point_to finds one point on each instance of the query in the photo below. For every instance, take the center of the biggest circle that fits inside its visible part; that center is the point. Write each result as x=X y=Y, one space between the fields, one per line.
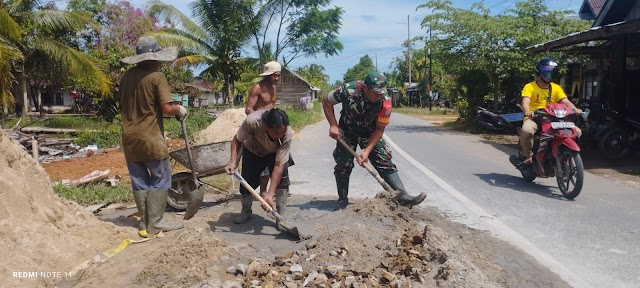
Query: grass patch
x=103 y=138
x=298 y=118
x=197 y=120
x=95 y=193
x=81 y=123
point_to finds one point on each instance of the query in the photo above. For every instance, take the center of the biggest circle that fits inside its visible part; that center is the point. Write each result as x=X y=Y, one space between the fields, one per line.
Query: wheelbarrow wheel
x=181 y=184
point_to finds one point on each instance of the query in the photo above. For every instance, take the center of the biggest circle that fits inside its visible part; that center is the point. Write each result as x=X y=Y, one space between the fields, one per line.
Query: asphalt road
x=592 y=241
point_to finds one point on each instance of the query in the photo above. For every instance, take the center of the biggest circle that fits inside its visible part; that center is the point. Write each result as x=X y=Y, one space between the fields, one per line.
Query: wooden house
x=293 y=89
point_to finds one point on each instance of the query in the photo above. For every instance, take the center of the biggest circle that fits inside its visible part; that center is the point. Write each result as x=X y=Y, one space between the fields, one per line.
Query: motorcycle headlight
x=560 y=113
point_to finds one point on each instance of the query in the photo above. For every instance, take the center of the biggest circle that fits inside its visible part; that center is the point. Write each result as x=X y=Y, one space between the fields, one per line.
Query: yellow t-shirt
x=539 y=96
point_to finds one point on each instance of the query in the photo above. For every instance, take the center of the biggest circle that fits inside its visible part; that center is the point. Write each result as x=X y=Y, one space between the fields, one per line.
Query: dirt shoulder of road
x=373 y=241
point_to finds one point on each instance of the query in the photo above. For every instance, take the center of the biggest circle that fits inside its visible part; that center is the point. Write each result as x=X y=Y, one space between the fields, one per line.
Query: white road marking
x=500 y=229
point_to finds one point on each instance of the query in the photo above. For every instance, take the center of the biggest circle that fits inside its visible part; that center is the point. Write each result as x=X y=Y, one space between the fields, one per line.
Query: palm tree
x=214 y=40
x=31 y=31
x=10 y=33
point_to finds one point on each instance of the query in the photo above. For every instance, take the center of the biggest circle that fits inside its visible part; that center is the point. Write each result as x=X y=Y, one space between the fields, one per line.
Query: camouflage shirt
x=359 y=115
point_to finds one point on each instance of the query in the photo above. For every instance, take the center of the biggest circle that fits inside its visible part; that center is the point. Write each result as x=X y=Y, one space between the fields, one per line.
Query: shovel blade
x=293 y=230
x=194 y=202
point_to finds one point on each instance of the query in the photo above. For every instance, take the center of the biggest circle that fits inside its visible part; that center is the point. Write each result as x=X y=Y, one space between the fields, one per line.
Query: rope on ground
x=104 y=256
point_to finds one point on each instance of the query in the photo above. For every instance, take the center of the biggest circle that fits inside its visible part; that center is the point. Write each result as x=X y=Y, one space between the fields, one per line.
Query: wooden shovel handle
x=368 y=167
x=256 y=195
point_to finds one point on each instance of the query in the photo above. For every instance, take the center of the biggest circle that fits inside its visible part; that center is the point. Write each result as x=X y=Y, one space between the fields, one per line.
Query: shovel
x=372 y=171
x=293 y=230
x=194 y=197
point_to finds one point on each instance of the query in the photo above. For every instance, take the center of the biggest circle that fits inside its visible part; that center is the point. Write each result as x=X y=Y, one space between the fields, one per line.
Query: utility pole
x=430 y=71
x=409 y=49
x=376 y=61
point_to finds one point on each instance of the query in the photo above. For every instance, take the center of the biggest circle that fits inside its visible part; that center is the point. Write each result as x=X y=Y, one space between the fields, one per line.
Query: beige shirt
x=253 y=134
x=142 y=92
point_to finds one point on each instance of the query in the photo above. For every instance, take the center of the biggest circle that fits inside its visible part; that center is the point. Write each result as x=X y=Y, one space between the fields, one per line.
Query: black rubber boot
x=156 y=203
x=342 y=184
x=141 y=202
x=404 y=198
x=281 y=204
x=245 y=213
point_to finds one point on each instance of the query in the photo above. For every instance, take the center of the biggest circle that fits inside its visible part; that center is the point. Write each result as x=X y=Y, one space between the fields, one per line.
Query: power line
x=505 y=1
x=505 y=9
x=569 y=5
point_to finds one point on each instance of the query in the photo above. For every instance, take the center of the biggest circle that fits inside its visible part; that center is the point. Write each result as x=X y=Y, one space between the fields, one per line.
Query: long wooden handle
x=256 y=195
x=186 y=143
x=368 y=167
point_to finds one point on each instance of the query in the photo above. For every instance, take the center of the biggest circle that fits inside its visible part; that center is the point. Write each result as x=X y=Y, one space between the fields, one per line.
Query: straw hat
x=149 y=49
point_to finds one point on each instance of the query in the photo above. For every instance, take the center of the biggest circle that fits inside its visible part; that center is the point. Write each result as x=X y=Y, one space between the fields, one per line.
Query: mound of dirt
x=184 y=264
x=223 y=128
x=396 y=251
x=40 y=232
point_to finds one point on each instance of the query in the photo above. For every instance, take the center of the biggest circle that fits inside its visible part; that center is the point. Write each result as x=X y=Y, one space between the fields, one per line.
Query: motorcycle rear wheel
x=570 y=171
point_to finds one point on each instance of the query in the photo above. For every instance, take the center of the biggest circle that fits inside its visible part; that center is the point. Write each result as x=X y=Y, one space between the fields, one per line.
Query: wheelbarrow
x=208 y=159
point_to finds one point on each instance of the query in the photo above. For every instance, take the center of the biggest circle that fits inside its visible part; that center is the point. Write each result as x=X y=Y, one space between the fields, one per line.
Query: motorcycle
x=621 y=140
x=490 y=122
x=555 y=150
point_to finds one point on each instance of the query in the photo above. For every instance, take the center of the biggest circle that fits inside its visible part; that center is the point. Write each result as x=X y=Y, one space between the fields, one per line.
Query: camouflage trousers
x=380 y=157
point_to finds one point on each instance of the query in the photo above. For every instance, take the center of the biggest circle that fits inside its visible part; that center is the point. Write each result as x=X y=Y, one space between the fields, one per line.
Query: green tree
x=314 y=73
x=222 y=28
x=302 y=29
x=476 y=42
x=10 y=36
x=360 y=70
x=116 y=37
x=39 y=28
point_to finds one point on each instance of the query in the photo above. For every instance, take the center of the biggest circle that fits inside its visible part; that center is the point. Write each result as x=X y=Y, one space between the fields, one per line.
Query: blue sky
x=378 y=28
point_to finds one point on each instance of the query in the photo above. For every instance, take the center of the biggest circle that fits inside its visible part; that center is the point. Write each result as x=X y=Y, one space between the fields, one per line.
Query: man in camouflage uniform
x=366 y=110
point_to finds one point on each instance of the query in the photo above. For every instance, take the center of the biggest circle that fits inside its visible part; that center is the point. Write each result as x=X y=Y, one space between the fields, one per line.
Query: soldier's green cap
x=376 y=82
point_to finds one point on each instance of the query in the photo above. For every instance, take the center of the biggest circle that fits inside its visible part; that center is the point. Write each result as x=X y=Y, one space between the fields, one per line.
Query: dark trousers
x=253 y=165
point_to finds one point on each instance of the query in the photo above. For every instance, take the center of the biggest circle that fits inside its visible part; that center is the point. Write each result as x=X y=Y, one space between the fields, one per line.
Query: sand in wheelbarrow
x=39 y=231
x=223 y=128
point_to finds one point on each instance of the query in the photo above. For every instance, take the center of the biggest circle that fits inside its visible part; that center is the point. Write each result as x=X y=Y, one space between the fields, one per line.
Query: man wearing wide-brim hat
x=144 y=96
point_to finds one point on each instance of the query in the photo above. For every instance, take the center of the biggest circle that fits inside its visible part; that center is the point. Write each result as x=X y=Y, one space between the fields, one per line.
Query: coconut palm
x=10 y=33
x=213 y=38
x=31 y=31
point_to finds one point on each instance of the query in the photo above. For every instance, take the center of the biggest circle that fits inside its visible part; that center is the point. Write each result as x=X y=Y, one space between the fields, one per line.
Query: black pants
x=253 y=165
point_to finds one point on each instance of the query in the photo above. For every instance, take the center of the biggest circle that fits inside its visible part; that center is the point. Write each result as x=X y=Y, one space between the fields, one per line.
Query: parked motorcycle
x=555 y=150
x=594 y=123
x=491 y=122
x=621 y=139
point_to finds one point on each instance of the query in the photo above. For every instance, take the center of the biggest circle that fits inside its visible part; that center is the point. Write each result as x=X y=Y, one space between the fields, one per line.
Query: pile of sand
x=223 y=128
x=40 y=232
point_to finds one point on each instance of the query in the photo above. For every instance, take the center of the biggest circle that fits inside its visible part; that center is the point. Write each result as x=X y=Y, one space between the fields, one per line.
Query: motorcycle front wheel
x=614 y=146
x=570 y=173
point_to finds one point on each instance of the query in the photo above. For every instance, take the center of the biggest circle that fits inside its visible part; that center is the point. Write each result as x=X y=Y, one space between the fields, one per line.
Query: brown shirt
x=141 y=94
x=253 y=133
